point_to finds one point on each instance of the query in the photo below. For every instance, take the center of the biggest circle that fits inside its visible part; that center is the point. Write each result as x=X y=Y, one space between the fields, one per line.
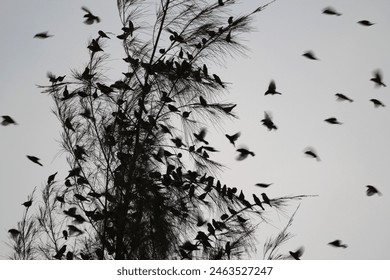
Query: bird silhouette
x=310 y=55
x=218 y=80
x=257 y=201
x=65 y=234
x=311 y=153
x=330 y=11
x=89 y=17
x=267 y=121
x=103 y=34
x=272 y=89
x=337 y=243
x=74 y=230
x=233 y=138
x=51 y=178
x=377 y=79
x=201 y=135
x=95 y=47
x=342 y=97
x=371 y=190
x=220 y=3
x=297 y=254
x=244 y=153
x=7 y=120
x=27 y=203
x=332 y=121
x=202 y=101
x=43 y=35
x=263 y=185
x=365 y=22
x=377 y=103
x=60 y=253
x=266 y=199
x=69 y=255
x=14 y=233
x=34 y=160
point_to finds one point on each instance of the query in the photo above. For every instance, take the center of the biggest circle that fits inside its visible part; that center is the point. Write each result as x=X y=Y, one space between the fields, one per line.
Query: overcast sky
x=353 y=155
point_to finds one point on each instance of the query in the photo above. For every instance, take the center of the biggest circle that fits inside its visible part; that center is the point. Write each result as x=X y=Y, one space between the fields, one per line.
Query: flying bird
x=377 y=103
x=311 y=153
x=60 y=253
x=371 y=190
x=332 y=121
x=201 y=135
x=310 y=55
x=342 y=97
x=263 y=185
x=365 y=22
x=72 y=229
x=43 y=35
x=27 y=203
x=89 y=17
x=14 y=232
x=267 y=122
x=297 y=254
x=34 y=160
x=377 y=79
x=103 y=34
x=244 y=153
x=337 y=243
x=330 y=11
x=7 y=120
x=272 y=89
x=233 y=138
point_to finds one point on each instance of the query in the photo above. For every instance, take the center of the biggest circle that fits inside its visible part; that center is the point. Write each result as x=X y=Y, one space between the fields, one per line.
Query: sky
x=353 y=155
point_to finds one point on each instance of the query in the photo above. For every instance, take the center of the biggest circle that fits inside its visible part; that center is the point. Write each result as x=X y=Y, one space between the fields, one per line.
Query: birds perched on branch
x=34 y=160
x=89 y=17
x=7 y=120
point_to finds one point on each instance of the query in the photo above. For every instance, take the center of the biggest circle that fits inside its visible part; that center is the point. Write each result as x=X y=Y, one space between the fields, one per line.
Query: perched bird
x=310 y=55
x=34 y=160
x=202 y=101
x=377 y=103
x=272 y=89
x=50 y=179
x=263 y=185
x=371 y=190
x=72 y=229
x=377 y=79
x=201 y=135
x=89 y=17
x=220 y=3
x=102 y=34
x=95 y=47
x=330 y=11
x=27 y=203
x=297 y=254
x=332 y=120
x=267 y=122
x=14 y=232
x=65 y=234
x=337 y=243
x=233 y=138
x=218 y=80
x=68 y=124
x=43 y=35
x=60 y=253
x=311 y=153
x=229 y=108
x=342 y=97
x=266 y=199
x=69 y=255
x=7 y=120
x=74 y=172
x=365 y=22
x=257 y=201
x=244 y=153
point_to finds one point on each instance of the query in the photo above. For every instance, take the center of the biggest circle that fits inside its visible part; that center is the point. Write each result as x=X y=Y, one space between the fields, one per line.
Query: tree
x=142 y=182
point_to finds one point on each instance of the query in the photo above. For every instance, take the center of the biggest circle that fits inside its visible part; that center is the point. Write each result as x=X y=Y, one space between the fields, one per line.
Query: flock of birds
x=243 y=152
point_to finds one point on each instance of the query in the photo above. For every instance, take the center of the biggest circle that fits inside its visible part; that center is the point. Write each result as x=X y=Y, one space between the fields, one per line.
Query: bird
x=69 y=255
x=263 y=185
x=202 y=101
x=371 y=190
x=65 y=234
x=60 y=253
x=244 y=153
x=89 y=17
x=103 y=34
x=7 y=120
x=267 y=122
x=272 y=89
x=34 y=160
x=14 y=232
x=342 y=97
x=266 y=199
x=337 y=243
x=233 y=138
x=257 y=201
x=310 y=55
x=72 y=229
x=377 y=103
x=297 y=254
x=220 y=3
x=43 y=35
x=312 y=153
x=228 y=109
x=95 y=47
x=50 y=179
x=27 y=203
x=365 y=22
x=330 y=11
x=201 y=135
x=332 y=121
x=377 y=79
x=218 y=80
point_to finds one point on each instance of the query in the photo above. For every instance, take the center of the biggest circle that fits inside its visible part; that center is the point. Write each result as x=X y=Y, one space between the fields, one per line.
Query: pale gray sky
x=353 y=155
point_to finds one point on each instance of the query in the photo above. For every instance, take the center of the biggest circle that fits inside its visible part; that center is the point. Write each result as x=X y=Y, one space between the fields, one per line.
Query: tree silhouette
x=142 y=182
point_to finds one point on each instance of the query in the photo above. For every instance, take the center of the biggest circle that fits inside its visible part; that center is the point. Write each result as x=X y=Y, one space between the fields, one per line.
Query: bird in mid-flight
x=310 y=55
x=244 y=153
x=297 y=254
x=311 y=153
x=263 y=185
x=233 y=138
x=377 y=103
x=89 y=17
x=267 y=122
x=34 y=160
x=272 y=89
x=330 y=11
x=365 y=22
x=332 y=121
x=377 y=79
x=337 y=243
x=342 y=97
x=371 y=190
x=43 y=35
x=7 y=120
